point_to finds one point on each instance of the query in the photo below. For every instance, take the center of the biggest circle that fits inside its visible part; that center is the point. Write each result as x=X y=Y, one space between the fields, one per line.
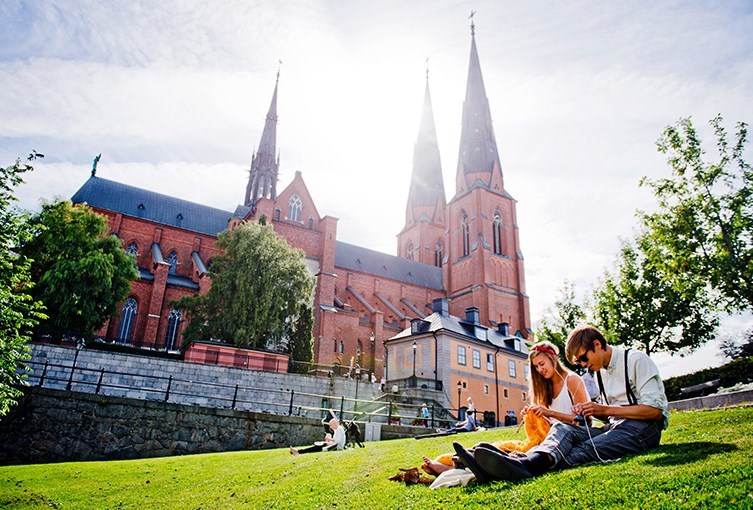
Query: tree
x=259 y=297
x=704 y=225
x=638 y=306
x=19 y=312
x=557 y=324
x=738 y=349
x=81 y=274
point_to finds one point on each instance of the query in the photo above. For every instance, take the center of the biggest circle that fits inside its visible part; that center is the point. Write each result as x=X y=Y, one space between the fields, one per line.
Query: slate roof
x=141 y=203
x=353 y=257
x=436 y=321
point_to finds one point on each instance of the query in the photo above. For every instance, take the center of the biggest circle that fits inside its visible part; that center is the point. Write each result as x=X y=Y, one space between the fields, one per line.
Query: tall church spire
x=478 y=156
x=427 y=186
x=262 y=181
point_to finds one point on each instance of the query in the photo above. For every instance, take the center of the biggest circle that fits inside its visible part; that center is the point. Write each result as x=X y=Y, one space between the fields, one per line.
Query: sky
x=173 y=94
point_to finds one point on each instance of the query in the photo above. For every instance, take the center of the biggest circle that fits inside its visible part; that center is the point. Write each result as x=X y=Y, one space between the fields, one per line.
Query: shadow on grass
x=686 y=453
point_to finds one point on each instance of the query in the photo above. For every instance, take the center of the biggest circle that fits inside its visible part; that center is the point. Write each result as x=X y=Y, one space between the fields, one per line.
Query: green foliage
x=557 y=324
x=259 y=297
x=703 y=230
x=19 y=312
x=703 y=462
x=81 y=274
x=738 y=371
x=738 y=349
x=300 y=346
x=640 y=306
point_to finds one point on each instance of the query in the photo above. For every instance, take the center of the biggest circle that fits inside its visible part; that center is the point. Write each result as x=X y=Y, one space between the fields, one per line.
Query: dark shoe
x=501 y=467
x=468 y=461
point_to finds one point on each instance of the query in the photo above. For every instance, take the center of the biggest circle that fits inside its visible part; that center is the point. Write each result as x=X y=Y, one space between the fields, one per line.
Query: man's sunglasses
x=583 y=358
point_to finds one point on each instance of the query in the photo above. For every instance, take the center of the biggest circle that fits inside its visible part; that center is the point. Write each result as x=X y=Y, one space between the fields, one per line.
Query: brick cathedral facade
x=465 y=250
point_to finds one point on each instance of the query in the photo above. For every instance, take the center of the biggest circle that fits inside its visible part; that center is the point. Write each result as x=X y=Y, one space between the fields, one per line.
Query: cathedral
x=464 y=253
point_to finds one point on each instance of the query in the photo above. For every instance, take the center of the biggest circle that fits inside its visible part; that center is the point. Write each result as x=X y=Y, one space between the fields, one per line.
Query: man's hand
x=588 y=409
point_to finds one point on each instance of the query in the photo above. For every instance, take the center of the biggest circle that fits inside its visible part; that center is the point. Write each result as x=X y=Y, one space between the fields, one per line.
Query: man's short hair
x=583 y=337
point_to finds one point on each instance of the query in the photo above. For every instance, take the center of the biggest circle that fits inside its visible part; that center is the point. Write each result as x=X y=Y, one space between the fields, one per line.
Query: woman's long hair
x=541 y=388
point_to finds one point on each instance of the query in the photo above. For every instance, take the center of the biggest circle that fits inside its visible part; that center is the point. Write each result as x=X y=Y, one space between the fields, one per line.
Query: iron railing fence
x=116 y=383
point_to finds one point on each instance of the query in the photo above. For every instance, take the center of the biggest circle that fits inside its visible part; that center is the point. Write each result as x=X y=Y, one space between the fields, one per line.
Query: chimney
x=471 y=315
x=503 y=328
x=441 y=306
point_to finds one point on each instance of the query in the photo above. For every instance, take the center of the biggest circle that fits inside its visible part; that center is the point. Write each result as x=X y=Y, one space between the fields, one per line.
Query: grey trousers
x=571 y=445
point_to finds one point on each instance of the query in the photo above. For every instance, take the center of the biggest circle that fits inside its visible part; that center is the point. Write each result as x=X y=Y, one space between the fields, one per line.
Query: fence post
x=99 y=383
x=389 y=413
x=44 y=373
x=342 y=404
x=290 y=409
x=169 y=383
x=432 y=416
x=235 y=396
x=73 y=369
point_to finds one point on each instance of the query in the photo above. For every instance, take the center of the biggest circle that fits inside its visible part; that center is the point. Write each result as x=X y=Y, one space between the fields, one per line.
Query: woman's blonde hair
x=541 y=388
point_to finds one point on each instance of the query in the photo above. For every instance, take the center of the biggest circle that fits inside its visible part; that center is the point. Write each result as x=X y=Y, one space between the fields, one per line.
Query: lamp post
x=415 y=347
x=460 y=387
x=358 y=378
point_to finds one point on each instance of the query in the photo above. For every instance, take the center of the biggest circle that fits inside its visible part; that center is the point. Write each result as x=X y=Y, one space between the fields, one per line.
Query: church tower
x=265 y=163
x=422 y=238
x=485 y=263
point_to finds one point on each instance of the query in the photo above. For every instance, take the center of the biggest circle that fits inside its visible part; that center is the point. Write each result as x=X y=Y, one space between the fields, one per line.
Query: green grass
x=705 y=461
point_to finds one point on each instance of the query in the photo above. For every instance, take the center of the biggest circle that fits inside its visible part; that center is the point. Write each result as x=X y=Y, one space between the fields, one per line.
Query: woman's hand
x=538 y=410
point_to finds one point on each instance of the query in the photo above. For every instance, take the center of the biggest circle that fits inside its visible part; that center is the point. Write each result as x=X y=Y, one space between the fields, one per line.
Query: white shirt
x=645 y=381
x=339 y=437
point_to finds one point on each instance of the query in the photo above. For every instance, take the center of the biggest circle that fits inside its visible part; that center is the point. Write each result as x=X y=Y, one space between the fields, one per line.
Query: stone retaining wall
x=51 y=425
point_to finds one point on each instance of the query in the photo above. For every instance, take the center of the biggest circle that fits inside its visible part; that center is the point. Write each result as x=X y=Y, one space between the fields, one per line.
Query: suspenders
x=631 y=397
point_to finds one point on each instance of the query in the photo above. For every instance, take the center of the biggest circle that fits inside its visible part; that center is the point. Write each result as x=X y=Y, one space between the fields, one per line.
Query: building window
x=172 y=259
x=527 y=371
x=476 y=359
x=466 y=235
x=511 y=364
x=461 y=355
x=334 y=349
x=311 y=224
x=294 y=208
x=341 y=346
x=486 y=389
x=133 y=249
x=276 y=216
x=127 y=318
x=438 y=254
x=497 y=233
x=490 y=362
x=524 y=396
x=505 y=393
x=410 y=251
x=173 y=323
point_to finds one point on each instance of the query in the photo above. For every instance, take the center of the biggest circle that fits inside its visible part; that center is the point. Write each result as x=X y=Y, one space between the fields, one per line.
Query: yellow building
x=455 y=358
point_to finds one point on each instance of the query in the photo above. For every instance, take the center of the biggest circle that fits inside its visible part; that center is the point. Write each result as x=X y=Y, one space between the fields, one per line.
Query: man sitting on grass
x=633 y=407
x=333 y=441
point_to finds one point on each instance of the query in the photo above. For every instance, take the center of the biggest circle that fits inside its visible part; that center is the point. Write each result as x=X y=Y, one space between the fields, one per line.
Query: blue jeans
x=571 y=445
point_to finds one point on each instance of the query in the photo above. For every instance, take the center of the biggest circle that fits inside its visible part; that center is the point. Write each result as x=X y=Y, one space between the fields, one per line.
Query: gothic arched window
x=276 y=216
x=497 y=233
x=311 y=223
x=294 y=208
x=438 y=254
x=172 y=259
x=465 y=232
x=133 y=249
x=127 y=318
x=410 y=251
x=173 y=322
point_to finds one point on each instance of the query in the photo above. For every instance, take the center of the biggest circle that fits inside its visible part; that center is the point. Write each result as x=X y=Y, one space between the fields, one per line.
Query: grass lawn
x=705 y=461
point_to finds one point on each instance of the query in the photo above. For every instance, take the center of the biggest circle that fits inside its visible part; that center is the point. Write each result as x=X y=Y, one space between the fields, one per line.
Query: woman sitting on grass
x=554 y=390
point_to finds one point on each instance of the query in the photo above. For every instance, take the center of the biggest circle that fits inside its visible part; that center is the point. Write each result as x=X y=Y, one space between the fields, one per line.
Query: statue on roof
x=94 y=164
